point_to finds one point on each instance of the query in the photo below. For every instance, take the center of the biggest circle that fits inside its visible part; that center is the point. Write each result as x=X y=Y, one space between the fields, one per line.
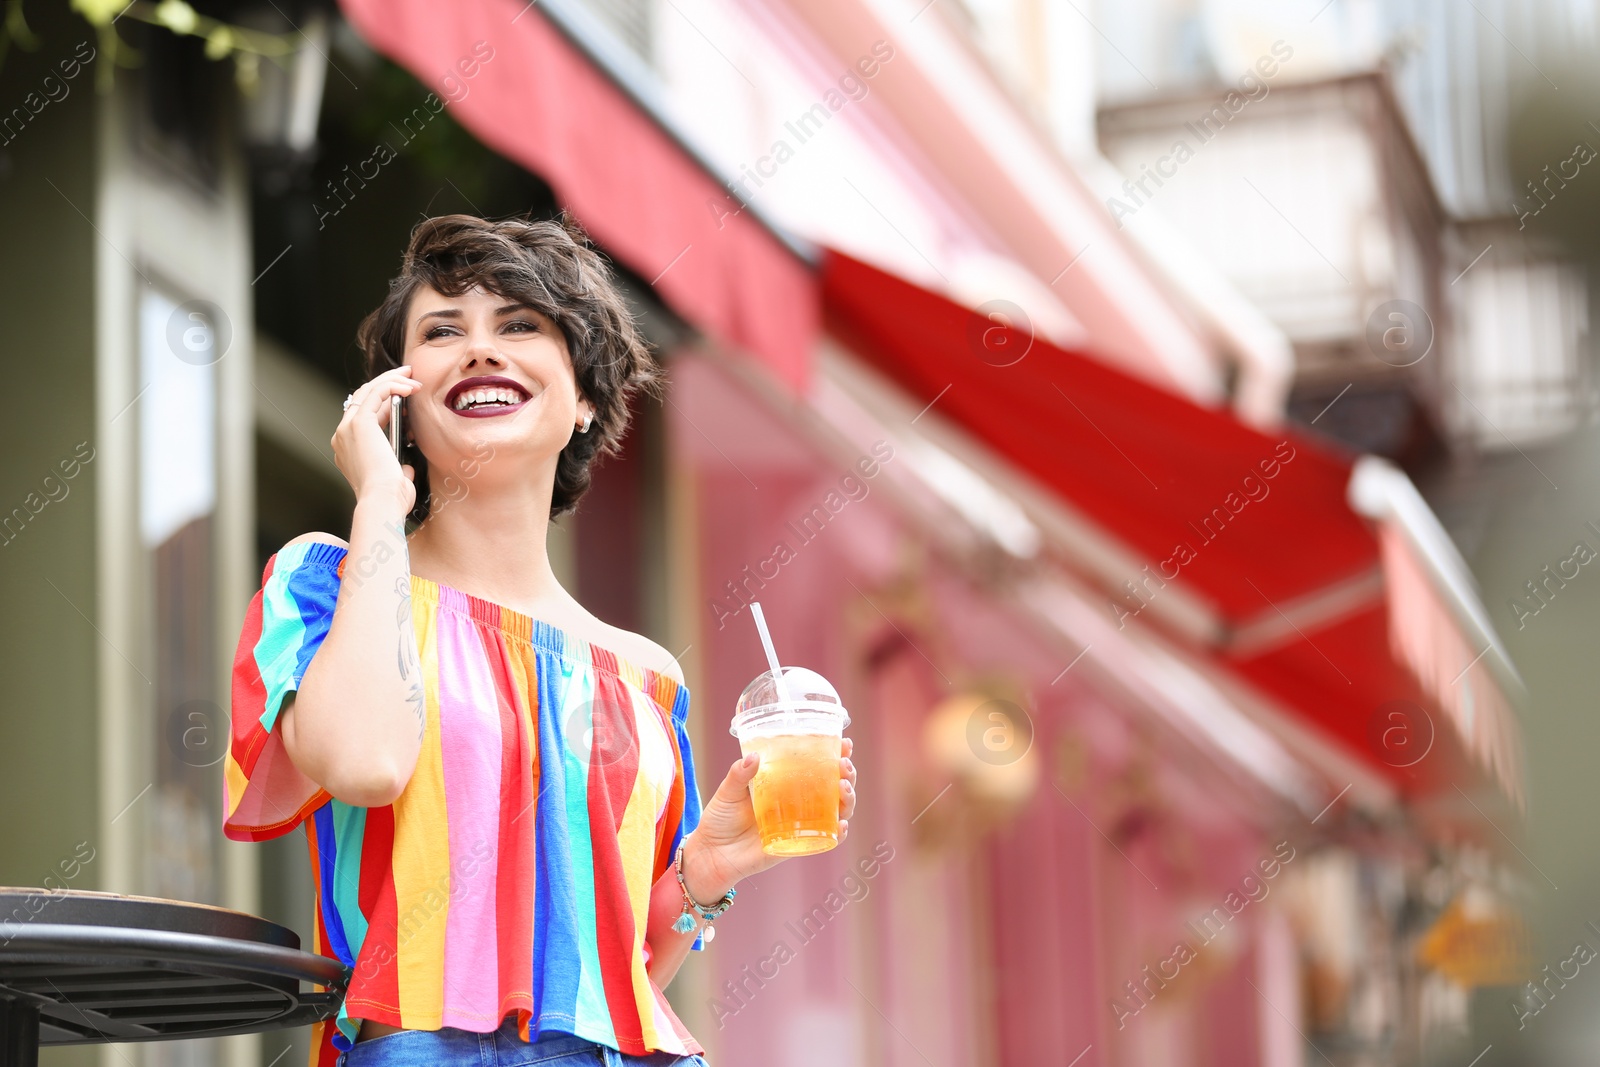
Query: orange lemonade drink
x=796 y=724
x=796 y=792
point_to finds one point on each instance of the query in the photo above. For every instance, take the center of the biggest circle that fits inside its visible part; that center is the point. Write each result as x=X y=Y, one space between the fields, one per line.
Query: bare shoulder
x=636 y=648
x=317 y=536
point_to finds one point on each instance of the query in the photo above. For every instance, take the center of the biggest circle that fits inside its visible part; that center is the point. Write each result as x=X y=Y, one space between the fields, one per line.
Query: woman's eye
x=517 y=326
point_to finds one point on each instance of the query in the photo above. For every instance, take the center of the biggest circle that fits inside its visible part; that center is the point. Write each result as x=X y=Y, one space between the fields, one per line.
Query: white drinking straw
x=772 y=653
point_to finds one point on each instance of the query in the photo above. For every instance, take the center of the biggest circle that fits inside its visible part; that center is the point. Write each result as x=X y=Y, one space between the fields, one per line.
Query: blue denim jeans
x=449 y=1047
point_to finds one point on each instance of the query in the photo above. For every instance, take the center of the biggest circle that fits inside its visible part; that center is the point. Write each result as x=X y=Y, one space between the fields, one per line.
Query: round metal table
x=80 y=967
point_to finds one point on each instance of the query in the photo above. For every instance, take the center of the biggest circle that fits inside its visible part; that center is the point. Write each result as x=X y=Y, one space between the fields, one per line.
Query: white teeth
x=496 y=395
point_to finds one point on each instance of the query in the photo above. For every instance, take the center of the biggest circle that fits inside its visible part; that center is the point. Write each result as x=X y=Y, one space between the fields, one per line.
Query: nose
x=481 y=349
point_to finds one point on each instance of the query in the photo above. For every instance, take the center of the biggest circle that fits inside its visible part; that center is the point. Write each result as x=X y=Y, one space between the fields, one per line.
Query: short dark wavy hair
x=551 y=267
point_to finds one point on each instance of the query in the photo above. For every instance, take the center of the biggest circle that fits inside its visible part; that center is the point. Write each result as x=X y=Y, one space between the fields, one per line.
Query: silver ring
x=348 y=399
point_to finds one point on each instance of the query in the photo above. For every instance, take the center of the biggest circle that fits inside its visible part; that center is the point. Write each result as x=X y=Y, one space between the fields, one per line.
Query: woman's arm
x=668 y=948
x=355 y=726
x=706 y=879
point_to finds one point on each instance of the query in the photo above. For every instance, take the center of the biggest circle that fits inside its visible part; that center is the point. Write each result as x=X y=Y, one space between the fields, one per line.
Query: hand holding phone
x=353 y=441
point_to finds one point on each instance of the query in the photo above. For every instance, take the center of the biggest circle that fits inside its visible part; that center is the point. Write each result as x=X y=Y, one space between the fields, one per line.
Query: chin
x=467 y=454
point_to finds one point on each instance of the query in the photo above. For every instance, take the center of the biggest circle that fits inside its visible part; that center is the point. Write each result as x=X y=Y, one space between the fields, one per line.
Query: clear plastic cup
x=796 y=789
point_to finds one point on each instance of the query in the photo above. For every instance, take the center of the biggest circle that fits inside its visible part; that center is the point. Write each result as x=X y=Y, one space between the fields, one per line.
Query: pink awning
x=521 y=88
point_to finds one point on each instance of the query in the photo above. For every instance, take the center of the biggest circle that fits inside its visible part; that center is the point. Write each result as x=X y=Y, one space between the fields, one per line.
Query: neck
x=491 y=541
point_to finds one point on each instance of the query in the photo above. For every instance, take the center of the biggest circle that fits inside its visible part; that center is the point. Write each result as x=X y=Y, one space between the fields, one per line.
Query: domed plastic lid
x=813 y=705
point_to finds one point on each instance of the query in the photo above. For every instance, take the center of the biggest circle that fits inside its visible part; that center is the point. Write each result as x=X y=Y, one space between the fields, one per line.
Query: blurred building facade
x=1074 y=816
x=1377 y=155
x=1425 y=161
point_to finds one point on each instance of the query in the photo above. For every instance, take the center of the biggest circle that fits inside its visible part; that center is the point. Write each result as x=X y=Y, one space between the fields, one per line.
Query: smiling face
x=492 y=372
x=540 y=338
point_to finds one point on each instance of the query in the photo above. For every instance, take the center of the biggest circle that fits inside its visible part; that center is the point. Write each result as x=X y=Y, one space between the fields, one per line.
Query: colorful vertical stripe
x=513 y=874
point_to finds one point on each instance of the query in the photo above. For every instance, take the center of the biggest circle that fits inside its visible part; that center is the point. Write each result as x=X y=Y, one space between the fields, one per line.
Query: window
x=1523 y=358
x=178 y=347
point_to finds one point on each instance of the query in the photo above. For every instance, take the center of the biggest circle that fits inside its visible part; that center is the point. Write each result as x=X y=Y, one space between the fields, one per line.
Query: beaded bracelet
x=685 y=921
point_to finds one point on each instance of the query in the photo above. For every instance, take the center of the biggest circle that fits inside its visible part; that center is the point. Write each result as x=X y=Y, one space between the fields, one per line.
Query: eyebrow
x=455 y=313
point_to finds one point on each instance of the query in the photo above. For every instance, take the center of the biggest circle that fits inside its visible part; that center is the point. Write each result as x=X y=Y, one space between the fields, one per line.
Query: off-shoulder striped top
x=513 y=874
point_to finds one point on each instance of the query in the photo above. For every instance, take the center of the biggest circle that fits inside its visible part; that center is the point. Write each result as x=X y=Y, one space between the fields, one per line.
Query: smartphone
x=394 y=425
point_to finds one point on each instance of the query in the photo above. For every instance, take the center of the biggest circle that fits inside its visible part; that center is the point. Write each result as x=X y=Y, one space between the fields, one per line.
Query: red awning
x=522 y=89
x=1255 y=528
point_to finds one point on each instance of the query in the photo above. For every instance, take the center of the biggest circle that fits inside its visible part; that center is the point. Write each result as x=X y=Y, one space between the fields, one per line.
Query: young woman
x=497 y=787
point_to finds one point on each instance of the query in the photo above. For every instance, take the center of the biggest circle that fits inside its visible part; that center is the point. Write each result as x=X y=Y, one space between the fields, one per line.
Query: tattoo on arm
x=410 y=669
